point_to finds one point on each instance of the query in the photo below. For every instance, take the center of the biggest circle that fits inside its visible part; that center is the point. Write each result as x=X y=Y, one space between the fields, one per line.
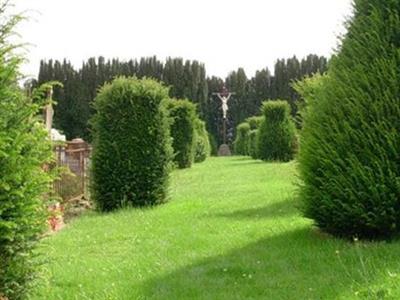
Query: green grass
x=230 y=231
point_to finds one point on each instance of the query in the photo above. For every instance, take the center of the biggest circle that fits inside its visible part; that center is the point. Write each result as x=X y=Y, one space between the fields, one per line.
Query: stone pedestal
x=224 y=150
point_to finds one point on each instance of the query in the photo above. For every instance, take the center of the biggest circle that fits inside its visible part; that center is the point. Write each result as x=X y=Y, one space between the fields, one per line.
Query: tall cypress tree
x=187 y=80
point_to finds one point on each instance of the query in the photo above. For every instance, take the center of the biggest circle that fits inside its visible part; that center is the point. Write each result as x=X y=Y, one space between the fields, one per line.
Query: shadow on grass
x=245 y=161
x=277 y=209
x=248 y=161
x=300 y=264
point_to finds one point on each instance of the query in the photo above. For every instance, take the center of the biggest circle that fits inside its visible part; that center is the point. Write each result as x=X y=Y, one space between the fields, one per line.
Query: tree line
x=187 y=79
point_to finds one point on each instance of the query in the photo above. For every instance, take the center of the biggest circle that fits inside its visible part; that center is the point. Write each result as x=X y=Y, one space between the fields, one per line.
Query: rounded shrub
x=183 y=115
x=349 y=156
x=276 y=135
x=202 y=143
x=240 y=145
x=132 y=147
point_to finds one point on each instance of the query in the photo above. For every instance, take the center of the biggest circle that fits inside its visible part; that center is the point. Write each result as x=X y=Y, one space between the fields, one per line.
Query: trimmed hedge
x=213 y=144
x=25 y=150
x=252 y=146
x=202 y=143
x=349 y=160
x=254 y=122
x=241 y=143
x=183 y=116
x=132 y=147
x=276 y=134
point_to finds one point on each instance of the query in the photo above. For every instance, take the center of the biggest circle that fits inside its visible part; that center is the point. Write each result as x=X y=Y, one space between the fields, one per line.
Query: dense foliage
x=132 y=151
x=307 y=88
x=213 y=145
x=349 y=159
x=276 y=134
x=187 y=80
x=254 y=122
x=183 y=115
x=241 y=144
x=252 y=146
x=202 y=144
x=24 y=152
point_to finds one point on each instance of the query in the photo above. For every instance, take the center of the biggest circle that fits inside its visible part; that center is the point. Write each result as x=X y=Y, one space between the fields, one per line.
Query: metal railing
x=74 y=163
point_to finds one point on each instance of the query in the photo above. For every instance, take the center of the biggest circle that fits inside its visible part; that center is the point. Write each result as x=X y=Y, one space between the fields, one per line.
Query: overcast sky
x=223 y=34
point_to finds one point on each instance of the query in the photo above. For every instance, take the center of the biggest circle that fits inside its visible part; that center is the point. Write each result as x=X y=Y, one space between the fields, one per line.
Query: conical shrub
x=350 y=144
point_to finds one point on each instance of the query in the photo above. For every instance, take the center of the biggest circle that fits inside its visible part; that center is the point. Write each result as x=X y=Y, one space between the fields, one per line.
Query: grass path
x=230 y=231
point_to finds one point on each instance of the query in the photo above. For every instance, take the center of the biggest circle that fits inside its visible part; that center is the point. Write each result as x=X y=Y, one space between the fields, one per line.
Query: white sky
x=223 y=34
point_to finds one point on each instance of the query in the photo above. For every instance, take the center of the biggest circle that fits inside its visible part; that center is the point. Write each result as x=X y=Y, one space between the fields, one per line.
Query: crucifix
x=224 y=96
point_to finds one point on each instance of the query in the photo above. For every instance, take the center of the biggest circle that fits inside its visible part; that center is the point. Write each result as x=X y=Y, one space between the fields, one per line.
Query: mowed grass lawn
x=231 y=230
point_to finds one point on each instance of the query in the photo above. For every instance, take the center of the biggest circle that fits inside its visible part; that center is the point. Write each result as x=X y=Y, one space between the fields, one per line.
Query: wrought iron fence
x=74 y=158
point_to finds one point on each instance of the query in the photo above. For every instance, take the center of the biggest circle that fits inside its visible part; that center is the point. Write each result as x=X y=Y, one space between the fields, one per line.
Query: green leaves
x=132 y=146
x=24 y=184
x=349 y=160
x=276 y=135
x=241 y=143
x=202 y=143
x=183 y=117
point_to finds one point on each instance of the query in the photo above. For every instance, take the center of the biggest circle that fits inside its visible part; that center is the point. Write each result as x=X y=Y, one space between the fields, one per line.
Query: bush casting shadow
x=277 y=209
x=300 y=264
x=245 y=162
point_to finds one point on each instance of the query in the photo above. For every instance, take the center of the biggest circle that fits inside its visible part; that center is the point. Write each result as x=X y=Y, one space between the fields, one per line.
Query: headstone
x=56 y=136
x=224 y=150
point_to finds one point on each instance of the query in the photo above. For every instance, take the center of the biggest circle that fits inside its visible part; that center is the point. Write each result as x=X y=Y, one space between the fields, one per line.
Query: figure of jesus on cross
x=224 y=96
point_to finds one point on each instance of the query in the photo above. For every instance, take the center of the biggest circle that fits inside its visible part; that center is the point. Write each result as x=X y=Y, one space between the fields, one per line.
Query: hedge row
x=191 y=141
x=138 y=133
x=268 y=137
